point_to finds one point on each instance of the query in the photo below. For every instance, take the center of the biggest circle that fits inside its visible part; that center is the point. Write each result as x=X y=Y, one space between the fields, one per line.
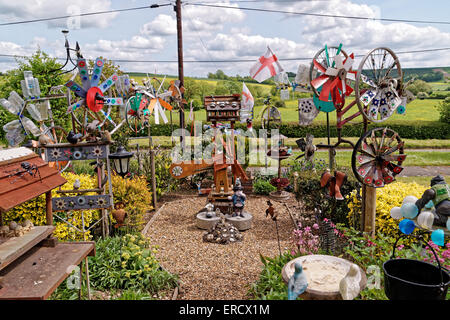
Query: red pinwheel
x=334 y=79
x=90 y=91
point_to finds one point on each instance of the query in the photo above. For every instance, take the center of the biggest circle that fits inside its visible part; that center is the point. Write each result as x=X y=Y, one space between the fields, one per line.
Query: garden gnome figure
x=238 y=201
x=439 y=194
x=209 y=210
x=297 y=283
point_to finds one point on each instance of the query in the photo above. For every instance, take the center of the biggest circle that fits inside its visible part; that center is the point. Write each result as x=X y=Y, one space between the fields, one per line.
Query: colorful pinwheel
x=333 y=79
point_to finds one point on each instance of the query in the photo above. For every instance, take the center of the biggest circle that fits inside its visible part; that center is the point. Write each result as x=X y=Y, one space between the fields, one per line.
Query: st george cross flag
x=266 y=67
x=247 y=103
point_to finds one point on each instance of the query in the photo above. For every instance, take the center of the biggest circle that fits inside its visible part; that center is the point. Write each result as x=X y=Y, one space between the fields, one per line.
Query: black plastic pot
x=407 y=279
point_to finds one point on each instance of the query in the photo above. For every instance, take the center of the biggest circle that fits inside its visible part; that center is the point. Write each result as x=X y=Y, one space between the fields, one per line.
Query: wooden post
x=48 y=208
x=152 y=167
x=370 y=207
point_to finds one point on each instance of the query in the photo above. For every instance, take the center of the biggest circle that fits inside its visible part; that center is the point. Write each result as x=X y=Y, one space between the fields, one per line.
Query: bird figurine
x=44 y=139
x=271 y=211
x=77 y=184
x=297 y=283
x=73 y=137
x=349 y=285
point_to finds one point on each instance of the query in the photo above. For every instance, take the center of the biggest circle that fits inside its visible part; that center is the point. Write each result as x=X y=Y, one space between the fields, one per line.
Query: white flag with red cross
x=266 y=67
x=247 y=103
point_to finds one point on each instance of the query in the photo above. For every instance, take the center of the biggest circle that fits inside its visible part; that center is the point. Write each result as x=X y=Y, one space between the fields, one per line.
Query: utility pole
x=177 y=9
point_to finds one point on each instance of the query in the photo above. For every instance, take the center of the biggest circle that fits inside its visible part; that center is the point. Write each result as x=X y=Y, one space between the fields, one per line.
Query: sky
x=225 y=34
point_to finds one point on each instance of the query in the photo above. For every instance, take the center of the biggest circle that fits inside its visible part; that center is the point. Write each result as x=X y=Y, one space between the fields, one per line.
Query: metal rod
x=278 y=236
x=177 y=9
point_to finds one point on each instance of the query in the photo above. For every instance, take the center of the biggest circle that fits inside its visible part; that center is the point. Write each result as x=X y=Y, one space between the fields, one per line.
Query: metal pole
x=331 y=151
x=177 y=9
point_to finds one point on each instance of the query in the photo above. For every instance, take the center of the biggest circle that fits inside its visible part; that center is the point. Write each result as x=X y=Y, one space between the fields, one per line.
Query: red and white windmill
x=334 y=79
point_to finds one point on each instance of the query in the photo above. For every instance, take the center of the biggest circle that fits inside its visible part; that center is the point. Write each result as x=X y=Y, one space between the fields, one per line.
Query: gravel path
x=213 y=271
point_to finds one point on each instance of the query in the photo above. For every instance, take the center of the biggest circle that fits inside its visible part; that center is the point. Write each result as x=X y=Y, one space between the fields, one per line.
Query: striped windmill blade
x=97 y=72
x=75 y=106
x=84 y=74
x=108 y=83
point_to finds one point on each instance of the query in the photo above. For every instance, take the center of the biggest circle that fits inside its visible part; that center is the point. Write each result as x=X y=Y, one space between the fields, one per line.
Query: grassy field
x=422 y=180
x=416 y=111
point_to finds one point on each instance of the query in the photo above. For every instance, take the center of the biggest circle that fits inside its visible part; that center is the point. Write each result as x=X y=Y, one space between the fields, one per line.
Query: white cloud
x=35 y=9
x=162 y=25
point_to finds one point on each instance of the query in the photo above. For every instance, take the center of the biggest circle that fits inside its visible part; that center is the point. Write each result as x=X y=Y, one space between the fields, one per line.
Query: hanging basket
x=407 y=279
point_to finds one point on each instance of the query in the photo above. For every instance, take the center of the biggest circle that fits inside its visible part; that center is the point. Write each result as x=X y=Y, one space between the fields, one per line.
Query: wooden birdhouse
x=222 y=108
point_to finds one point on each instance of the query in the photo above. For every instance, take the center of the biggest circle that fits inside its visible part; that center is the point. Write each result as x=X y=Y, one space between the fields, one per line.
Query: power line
x=315 y=14
x=228 y=61
x=85 y=14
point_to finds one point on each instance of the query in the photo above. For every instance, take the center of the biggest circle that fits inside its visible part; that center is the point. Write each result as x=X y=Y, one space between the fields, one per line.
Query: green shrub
x=444 y=110
x=264 y=187
x=314 y=196
x=406 y=130
x=422 y=95
x=270 y=285
x=128 y=263
x=280 y=104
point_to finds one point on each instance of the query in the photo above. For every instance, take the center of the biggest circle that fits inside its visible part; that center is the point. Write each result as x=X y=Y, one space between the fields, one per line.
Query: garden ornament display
x=439 y=195
x=90 y=91
x=334 y=183
x=209 y=210
x=73 y=137
x=297 y=283
x=37 y=107
x=238 y=199
x=377 y=157
x=349 y=286
x=377 y=160
x=119 y=214
x=271 y=211
x=76 y=184
x=307 y=111
x=307 y=147
x=406 y=226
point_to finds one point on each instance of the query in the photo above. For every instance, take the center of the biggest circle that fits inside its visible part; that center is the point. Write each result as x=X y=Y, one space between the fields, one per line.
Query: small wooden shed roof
x=17 y=185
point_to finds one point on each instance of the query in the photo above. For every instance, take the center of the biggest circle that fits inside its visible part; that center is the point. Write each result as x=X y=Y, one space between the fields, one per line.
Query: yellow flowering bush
x=388 y=197
x=34 y=210
x=135 y=196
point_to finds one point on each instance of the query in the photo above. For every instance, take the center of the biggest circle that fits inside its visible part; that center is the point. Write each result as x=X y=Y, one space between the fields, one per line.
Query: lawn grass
x=343 y=158
x=422 y=180
x=166 y=142
x=416 y=111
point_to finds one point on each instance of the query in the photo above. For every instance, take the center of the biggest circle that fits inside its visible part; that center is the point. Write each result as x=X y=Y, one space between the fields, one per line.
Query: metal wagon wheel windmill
x=379 y=83
x=91 y=94
x=378 y=92
x=137 y=113
x=377 y=157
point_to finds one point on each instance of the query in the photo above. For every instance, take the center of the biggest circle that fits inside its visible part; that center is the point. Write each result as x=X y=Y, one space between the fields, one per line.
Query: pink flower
x=315 y=226
x=325 y=220
x=400 y=247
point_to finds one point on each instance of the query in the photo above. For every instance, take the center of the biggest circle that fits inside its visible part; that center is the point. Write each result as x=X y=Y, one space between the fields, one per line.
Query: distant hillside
x=433 y=74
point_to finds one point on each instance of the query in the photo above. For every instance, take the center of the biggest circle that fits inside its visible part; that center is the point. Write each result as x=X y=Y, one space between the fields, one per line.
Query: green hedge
x=423 y=130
